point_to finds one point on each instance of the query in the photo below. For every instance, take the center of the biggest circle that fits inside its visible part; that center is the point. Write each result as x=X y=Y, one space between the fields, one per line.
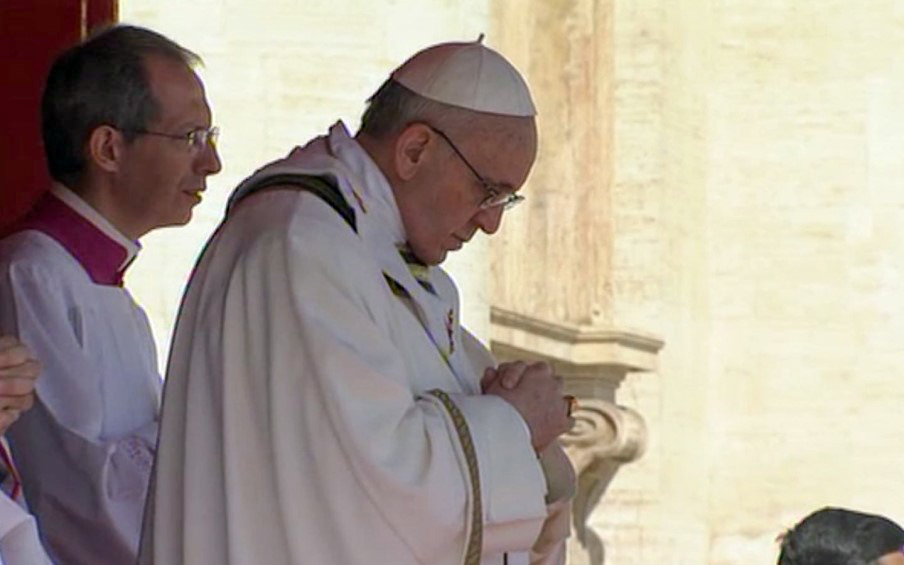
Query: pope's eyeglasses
x=496 y=195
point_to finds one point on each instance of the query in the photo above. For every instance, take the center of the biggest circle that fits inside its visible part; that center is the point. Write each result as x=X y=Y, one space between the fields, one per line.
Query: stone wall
x=552 y=259
x=758 y=211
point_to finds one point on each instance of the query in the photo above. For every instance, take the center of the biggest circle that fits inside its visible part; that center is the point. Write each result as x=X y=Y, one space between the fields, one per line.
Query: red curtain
x=32 y=32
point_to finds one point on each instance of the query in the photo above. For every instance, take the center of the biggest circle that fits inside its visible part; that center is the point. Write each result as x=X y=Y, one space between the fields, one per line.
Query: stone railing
x=593 y=362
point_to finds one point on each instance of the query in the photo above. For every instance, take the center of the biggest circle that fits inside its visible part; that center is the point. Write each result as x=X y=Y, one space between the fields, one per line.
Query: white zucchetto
x=468 y=75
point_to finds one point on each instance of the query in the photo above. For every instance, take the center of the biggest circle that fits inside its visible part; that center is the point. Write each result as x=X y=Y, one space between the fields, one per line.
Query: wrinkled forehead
x=519 y=137
x=506 y=148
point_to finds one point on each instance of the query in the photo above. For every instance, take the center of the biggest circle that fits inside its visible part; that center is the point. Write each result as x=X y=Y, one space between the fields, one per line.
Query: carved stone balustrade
x=593 y=362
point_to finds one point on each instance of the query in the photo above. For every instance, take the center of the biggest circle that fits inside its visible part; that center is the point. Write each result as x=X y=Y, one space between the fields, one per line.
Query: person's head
x=453 y=131
x=836 y=536
x=126 y=126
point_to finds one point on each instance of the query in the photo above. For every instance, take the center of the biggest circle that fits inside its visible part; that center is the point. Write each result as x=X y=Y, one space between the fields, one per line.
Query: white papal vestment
x=298 y=424
x=85 y=449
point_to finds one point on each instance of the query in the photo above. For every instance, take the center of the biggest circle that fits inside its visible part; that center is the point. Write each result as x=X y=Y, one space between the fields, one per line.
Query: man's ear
x=105 y=148
x=410 y=147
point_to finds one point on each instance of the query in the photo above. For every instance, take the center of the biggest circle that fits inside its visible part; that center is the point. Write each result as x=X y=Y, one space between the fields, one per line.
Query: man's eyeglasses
x=496 y=195
x=196 y=140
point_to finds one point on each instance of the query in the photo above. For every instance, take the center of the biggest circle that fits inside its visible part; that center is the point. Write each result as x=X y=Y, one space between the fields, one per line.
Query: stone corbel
x=593 y=362
x=605 y=437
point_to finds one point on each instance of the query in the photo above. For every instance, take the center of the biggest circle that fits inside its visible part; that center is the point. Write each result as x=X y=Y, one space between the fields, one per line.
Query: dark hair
x=102 y=80
x=835 y=536
x=393 y=107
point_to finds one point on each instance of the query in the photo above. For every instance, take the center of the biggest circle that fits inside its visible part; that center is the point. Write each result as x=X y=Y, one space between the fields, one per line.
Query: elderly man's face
x=163 y=174
x=444 y=210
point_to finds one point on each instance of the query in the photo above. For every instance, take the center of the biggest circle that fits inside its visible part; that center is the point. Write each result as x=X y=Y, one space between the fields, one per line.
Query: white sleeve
x=19 y=541
x=402 y=445
x=561 y=483
x=82 y=486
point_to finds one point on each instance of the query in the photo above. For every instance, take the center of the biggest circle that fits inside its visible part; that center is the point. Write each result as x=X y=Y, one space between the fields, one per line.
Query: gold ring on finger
x=572 y=404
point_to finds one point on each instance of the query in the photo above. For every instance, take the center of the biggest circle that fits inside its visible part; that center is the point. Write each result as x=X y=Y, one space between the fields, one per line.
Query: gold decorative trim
x=474 y=546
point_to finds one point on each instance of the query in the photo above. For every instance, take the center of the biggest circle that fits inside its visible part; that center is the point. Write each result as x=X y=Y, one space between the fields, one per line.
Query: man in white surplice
x=127 y=137
x=322 y=403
